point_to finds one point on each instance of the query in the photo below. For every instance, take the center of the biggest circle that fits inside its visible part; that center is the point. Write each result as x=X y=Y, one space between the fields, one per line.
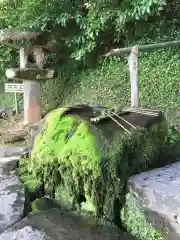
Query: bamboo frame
x=149 y=112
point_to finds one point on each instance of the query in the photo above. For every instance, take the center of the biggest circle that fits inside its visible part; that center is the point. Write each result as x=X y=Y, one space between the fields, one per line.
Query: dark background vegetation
x=85 y=31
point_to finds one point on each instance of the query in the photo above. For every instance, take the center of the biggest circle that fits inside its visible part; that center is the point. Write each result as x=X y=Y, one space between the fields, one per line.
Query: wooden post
x=15 y=102
x=32 y=112
x=134 y=69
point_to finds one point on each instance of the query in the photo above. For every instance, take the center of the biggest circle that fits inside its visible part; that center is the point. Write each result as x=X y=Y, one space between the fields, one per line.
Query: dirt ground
x=13 y=131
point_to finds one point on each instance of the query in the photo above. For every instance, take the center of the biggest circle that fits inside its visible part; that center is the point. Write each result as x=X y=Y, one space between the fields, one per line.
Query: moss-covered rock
x=135 y=221
x=44 y=203
x=25 y=175
x=91 y=162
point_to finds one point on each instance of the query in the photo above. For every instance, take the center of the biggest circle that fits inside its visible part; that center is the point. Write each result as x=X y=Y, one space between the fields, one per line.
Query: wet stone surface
x=11 y=200
x=8 y=164
x=11 y=191
x=159 y=193
x=58 y=225
x=12 y=151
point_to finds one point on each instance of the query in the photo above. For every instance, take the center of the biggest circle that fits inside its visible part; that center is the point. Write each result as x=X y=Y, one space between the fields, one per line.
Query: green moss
x=31 y=183
x=52 y=92
x=91 y=163
x=28 y=180
x=136 y=223
x=43 y=204
x=62 y=195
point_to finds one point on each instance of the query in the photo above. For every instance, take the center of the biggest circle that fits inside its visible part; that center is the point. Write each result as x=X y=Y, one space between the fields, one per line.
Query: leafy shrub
x=80 y=25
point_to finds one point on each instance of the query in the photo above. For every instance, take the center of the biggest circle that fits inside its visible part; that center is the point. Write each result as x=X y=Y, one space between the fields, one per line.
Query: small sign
x=14 y=87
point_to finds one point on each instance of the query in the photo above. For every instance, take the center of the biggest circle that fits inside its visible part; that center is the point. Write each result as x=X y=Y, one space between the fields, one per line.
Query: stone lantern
x=28 y=43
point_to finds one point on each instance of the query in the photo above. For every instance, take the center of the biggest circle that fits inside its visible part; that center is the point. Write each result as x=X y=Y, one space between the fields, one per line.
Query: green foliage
x=135 y=221
x=80 y=24
x=52 y=92
x=89 y=162
x=158 y=81
x=172 y=146
x=26 y=178
x=6 y=99
x=173 y=139
x=85 y=30
x=7 y=59
x=63 y=196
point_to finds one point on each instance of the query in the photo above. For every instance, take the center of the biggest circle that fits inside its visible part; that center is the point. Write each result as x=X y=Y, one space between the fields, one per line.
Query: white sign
x=14 y=87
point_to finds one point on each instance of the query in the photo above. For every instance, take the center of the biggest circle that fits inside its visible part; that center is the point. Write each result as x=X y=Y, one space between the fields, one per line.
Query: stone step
x=9 y=151
x=11 y=200
x=158 y=192
x=60 y=225
x=12 y=196
x=9 y=163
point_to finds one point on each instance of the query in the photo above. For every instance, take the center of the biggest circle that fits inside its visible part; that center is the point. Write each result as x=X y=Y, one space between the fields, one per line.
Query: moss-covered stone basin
x=86 y=165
